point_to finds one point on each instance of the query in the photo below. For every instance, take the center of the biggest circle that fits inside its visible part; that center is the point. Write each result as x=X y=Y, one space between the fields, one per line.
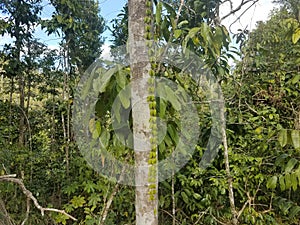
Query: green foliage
x=267 y=111
x=81 y=26
x=262 y=117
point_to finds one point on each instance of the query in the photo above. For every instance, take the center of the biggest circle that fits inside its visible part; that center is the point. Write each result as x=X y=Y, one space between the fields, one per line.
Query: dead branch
x=11 y=178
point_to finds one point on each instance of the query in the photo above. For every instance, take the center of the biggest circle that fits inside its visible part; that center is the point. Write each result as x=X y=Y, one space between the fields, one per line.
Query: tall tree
x=146 y=203
x=22 y=16
x=80 y=26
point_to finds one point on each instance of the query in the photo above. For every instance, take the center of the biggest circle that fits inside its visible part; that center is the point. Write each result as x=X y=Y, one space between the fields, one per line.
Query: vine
x=152 y=104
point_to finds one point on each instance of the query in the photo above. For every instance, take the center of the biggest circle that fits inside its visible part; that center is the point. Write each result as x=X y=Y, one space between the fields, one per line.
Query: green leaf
x=272 y=182
x=162 y=147
x=206 y=33
x=162 y=108
x=294 y=211
x=165 y=29
x=282 y=138
x=290 y=165
x=87 y=87
x=173 y=133
x=288 y=181
x=294 y=181
x=280 y=159
x=167 y=94
x=104 y=138
x=197 y=196
x=296 y=79
x=158 y=13
x=94 y=128
x=89 y=186
x=124 y=97
x=121 y=79
x=92 y=125
x=168 y=140
x=295 y=134
x=171 y=97
x=102 y=81
x=78 y=201
x=94 y=199
x=184 y=197
x=177 y=33
x=193 y=32
x=297 y=172
x=184 y=22
x=296 y=36
x=281 y=183
x=59 y=18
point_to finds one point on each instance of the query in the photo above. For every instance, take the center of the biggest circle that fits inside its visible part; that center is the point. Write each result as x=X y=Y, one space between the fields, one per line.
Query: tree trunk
x=145 y=207
x=21 y=79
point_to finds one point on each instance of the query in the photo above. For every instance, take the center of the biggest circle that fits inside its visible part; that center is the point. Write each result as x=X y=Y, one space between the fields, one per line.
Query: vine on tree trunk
x=152 y=104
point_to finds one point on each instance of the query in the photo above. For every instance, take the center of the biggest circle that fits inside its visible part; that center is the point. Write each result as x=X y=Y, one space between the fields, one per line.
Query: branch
x=253 y=3
x=179 y=11
x=27 y=211
x=29 y=195
x=232 y=11
x=112 y=195
x=227 y=168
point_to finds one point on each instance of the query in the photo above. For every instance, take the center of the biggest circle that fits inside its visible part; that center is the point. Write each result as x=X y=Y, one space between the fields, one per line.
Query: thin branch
x=220 y=222
x=243 y=208
x=108 y=204
x=111 y=197
x=242 y=14
x=201 y=214
x=173 y=197
x=179 y=11
x=232 y=11
x=227 y=168
x=10 y=178
x=27 y=211
x=165 y=211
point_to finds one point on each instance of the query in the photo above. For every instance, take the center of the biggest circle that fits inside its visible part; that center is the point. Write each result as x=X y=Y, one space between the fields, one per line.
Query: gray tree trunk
x=146 y=209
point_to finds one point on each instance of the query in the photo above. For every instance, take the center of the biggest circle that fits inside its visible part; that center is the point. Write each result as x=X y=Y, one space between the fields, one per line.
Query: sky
x=111 y=8
x=258 y=12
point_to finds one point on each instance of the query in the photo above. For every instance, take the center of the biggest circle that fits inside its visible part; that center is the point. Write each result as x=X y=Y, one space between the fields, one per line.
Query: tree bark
x=145 y=208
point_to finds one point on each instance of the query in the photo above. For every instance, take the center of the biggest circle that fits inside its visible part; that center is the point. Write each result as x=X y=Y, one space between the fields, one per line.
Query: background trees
x=262 y=107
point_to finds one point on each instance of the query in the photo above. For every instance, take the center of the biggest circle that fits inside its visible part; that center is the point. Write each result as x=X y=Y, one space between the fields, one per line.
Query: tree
x=22 y=16
x=80 y=25
x=266 y=90
x=146 y=198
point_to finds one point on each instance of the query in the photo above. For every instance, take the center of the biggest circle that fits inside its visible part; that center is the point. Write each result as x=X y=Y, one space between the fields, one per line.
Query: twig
x=243 y=208
x=27 y=211
x=165 y=211
x=201 y=214
x=220 y=222
x=179 y=11
x=10 y=178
